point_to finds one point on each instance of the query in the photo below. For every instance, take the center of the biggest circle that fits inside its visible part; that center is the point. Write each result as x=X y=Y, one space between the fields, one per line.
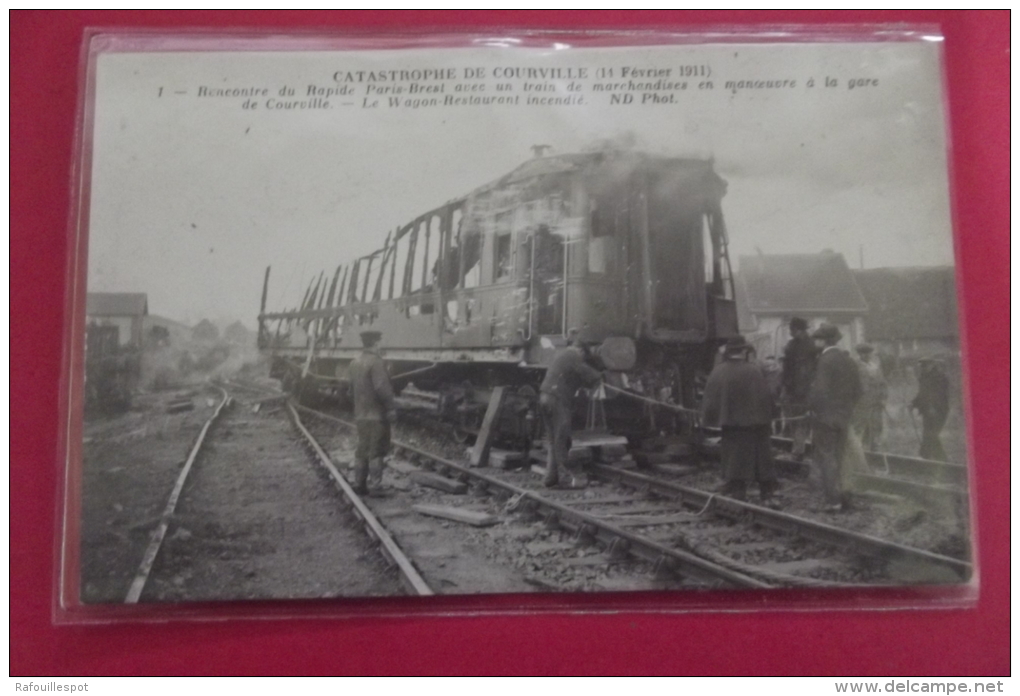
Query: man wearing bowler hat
x=738 y=400
x=835 y=392
x=374 y=411
x=799 y=358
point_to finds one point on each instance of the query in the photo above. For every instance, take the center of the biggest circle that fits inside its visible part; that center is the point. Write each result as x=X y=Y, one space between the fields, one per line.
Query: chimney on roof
x=540 y=150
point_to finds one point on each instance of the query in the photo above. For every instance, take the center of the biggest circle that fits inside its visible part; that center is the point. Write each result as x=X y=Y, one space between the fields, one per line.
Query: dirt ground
x=129 y=466
x=256 y=518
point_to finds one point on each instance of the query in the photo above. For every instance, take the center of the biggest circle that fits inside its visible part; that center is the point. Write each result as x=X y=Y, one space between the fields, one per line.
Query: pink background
x=44 y=89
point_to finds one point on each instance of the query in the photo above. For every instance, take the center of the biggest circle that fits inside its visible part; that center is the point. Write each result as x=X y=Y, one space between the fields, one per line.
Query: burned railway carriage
x=480 y=292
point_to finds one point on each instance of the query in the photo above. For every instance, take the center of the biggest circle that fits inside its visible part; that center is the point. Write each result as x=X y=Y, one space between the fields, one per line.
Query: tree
x=205 y=330
x=237 y=333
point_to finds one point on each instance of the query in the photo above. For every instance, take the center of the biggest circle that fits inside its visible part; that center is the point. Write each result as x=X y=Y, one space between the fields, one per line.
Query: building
x=912 y=311
x=771 y=289
x=123 y=310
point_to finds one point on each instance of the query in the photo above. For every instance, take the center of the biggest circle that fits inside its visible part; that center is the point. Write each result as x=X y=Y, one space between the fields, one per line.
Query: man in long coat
x=799 y=358
x=567 y=373
x=374 y=411
x=932 y=402
x=870 y=410
x=738 y=400
x=834 y=395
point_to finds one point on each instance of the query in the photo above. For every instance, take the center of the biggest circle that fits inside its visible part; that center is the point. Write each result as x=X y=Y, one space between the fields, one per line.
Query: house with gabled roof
x=123 y=310
x=912 y=310
x=771 y=289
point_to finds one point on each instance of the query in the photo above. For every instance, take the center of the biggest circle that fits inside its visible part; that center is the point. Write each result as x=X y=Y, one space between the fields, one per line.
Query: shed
x=125 y=310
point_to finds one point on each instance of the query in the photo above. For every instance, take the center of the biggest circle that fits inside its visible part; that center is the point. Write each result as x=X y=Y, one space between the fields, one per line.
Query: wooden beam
x=483 y=443
x=476 y=519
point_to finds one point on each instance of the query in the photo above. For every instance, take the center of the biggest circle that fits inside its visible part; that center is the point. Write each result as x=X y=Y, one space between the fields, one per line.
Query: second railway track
x=252 y=516
x=696 y=537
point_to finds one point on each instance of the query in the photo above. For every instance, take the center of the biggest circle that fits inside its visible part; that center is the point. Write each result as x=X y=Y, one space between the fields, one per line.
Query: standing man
x=738 y=399
x=799 y=360
x=567 y=373
x=835 y=392
x=870 y=409
x=932 y=402
x=374 y=411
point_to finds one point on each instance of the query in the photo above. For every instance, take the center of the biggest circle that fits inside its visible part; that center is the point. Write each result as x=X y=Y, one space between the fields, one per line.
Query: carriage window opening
x=420 y=248
x=503 y=267
x=473 y=275
x=726 y=274
x=501 y=256
x=472 y=259
x=709 y=249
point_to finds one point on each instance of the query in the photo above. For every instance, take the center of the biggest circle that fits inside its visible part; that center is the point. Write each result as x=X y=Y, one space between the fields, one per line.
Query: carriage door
x=674 y=257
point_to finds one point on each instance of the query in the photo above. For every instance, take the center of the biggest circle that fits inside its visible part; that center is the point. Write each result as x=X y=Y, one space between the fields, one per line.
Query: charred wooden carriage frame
x=480 y=292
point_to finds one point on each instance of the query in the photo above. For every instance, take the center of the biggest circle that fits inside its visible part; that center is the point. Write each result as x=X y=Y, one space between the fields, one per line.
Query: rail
x=156 y=540
x=409 y=575
x=866 y=545
x=615 y=538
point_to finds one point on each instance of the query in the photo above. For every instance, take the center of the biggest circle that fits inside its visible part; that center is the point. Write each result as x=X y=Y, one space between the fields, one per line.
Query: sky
x=191 y=197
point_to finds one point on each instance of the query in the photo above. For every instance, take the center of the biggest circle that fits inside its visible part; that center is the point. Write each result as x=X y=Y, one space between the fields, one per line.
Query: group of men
x=824 y=393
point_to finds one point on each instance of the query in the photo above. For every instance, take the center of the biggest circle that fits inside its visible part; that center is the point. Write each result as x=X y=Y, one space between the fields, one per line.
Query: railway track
x=680 y=530
x=249 y=517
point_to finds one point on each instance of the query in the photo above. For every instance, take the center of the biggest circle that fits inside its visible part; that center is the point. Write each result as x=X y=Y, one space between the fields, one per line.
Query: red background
x=44 y=88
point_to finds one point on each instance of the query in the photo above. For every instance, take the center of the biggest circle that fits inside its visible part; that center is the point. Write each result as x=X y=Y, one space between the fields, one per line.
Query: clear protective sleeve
x=664 y=206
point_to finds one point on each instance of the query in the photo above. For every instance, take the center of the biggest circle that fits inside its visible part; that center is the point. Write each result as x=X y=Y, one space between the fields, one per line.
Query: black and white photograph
x=373 y=318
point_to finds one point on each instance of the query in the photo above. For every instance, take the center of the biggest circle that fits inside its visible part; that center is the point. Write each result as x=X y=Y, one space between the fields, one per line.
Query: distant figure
x=874 y=392
x=835 y=392
x=799 y=360
x=932 y=402
x=567 y=373
x=773 y=375
x=738 y=400
x=374 y=411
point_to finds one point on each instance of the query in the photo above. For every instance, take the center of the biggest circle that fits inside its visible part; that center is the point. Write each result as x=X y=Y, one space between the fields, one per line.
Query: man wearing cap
x=932 y=402
x=799 y=360
x=374 y=411
x=835 y=391
x=567 y=373
x=874 y=391
x=738 y=400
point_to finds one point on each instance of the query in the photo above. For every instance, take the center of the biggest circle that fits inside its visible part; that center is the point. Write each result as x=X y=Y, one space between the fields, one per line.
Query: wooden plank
x=475 y=519
x=426 y=478
x=579 y=455
x=480 y=453
x=589 y=438
x=406 y=468
x=611 y=453
x=505 y=459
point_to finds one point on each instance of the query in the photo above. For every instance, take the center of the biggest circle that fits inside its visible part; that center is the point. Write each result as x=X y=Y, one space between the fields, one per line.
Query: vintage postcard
x=476 y=315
